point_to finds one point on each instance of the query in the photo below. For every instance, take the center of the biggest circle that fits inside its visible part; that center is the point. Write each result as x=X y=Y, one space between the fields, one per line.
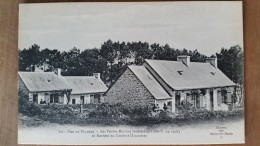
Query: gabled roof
x=149 y=82
x=85 y=84
x=197 y=75
x=43 y=81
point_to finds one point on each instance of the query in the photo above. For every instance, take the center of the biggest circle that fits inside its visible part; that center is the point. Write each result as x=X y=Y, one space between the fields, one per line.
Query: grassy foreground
x=31 y=114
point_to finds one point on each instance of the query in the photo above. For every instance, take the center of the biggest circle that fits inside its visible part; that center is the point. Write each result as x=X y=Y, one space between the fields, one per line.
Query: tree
x=29 y=58
x=109 y=51
x=113 y=57
x=72 y=63
x=230 y=62
x=92 y=62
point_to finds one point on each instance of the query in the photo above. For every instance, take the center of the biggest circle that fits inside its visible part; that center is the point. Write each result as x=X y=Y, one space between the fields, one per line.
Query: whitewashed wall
x=77 y=98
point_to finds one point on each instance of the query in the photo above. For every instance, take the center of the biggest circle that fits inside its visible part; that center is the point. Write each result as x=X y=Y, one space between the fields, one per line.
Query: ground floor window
x=97 y=98
x=73 y=101
x=54 y=98
x=224 y=96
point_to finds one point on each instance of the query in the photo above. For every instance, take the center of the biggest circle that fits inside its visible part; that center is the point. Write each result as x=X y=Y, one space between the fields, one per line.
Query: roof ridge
x=78 y=76
x=35 y=72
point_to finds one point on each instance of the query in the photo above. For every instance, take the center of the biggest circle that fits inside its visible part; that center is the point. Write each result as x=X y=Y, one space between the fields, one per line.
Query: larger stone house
x=52 y=87
x=174 y=84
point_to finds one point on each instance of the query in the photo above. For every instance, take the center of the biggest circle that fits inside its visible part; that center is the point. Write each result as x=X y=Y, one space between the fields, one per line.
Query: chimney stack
x=185 y=59
x=57 y=71
x=96 y=75
x=213 y=61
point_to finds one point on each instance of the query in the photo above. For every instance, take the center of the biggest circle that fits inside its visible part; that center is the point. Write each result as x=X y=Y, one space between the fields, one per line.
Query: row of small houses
x=156 y=82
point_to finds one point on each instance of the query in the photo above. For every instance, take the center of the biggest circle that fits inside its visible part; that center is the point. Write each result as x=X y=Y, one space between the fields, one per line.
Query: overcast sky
x=206 y=26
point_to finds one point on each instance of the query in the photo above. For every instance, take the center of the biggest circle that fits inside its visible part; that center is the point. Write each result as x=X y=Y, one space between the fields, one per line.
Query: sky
x=205 y=26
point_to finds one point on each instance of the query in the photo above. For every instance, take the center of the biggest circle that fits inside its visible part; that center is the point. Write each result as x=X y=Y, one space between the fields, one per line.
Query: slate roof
x=85 y=84
x=149 y=82
x=197 y=75
x=43 y=81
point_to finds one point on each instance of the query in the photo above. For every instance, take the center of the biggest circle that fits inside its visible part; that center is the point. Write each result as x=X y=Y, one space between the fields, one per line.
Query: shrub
x=140 y=111
x=106 y=110
x=59 y=113
x=25 y=107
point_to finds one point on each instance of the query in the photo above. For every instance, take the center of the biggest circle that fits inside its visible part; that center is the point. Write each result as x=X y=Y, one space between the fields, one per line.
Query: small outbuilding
x=52 y=87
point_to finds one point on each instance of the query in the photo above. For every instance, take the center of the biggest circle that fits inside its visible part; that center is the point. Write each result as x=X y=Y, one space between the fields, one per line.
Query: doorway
x=35 y=98
x=177 y=100
x=196 y=99
x=82 y=100
x=169 y=104
x=211 y=100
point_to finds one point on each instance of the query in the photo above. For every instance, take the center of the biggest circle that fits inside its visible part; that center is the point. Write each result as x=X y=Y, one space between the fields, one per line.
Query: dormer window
x=180 y=72
x=213 y=73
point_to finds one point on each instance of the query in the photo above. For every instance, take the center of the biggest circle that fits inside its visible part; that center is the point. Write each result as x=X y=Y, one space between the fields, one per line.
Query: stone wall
x=129 y=91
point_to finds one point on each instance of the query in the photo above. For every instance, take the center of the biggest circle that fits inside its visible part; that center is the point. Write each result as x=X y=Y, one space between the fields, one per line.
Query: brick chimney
x=213 y=61
x=184 y=59
x=96 y=75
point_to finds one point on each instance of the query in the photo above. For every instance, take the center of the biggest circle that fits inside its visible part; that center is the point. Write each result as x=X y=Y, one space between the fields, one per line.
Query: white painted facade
x=213 y=100
x=45 y=96
x=76 y=98
x=160 y=104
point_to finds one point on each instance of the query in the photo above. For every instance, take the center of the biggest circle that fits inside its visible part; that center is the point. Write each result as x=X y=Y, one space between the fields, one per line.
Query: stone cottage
x=174 y=84
x=52 y=87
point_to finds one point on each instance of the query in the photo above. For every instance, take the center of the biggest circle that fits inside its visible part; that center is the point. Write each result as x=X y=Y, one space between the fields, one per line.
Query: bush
x=63 y=114
x=106 y=110
x=25 y=107
x=107 y=114
x=53 y=113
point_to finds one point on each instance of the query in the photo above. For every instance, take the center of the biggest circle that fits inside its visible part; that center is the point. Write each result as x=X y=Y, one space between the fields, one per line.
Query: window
x=187 y=95
x=51 y=98
x=180 y=72
x=97 y=98
x=194 y=96
x=213 y=73
x=73 y=101
x=224 y=96
x=54 y=98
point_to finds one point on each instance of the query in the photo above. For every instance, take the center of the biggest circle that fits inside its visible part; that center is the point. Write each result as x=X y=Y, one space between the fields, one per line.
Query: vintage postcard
x=131 y=73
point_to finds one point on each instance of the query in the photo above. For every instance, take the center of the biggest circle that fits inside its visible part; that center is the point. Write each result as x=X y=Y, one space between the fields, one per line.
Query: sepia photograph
x=131 y=73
